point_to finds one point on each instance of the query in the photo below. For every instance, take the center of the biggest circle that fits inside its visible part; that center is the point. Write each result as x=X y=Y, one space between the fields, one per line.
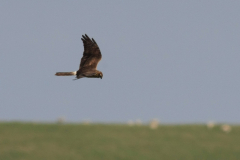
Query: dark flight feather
x=91 y=54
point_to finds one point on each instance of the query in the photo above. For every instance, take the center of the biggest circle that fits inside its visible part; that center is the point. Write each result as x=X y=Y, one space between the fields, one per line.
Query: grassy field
x=27 y=141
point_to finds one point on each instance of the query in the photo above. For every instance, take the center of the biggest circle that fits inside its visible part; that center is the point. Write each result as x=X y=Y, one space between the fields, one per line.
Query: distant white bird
x=210 y=124
x=226 y=128
x=154 y=123
x=130 y=123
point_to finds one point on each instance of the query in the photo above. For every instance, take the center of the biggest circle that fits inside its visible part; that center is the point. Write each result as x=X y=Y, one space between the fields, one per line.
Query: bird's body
x=89 y=61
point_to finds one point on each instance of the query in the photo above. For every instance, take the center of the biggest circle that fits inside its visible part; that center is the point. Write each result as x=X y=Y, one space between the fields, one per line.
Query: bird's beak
x=101 y=77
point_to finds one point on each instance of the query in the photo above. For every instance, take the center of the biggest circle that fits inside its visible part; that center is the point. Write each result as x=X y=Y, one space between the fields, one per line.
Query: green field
x=28 y=141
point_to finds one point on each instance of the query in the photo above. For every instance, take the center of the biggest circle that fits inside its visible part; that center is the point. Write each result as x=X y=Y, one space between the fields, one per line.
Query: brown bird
x=89 y=61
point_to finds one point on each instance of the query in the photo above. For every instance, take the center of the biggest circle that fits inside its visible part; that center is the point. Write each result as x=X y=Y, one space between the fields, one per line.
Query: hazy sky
x=177 y=61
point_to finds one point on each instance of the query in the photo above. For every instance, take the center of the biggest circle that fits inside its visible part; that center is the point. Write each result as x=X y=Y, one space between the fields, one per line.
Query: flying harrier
x=89 y=61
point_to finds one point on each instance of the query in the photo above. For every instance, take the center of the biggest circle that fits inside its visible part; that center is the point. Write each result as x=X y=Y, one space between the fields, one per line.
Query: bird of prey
x=89 y=61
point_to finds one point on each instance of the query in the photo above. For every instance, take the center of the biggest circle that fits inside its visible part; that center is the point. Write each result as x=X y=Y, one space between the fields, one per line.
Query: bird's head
x=100 y=75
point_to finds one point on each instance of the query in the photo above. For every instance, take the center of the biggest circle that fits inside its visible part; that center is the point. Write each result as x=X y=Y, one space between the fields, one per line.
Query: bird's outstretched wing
x=91 y=54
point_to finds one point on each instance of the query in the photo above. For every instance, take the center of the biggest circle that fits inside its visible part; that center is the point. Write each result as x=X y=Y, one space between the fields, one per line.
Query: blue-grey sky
x=177 y=61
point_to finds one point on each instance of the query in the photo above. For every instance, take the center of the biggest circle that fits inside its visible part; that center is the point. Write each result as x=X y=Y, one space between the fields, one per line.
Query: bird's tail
x=66 y=73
